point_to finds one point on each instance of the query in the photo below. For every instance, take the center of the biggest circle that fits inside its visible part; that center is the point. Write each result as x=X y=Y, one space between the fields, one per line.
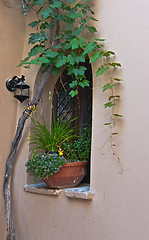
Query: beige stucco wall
x=12 y=31
x=119 y=209
x=123 y=200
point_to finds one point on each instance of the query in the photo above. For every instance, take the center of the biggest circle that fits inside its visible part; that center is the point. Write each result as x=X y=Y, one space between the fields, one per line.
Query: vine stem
x=7 y=186
x=112 y=125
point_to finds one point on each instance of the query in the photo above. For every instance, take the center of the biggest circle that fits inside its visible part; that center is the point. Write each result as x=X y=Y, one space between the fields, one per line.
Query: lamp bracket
x=11 y=82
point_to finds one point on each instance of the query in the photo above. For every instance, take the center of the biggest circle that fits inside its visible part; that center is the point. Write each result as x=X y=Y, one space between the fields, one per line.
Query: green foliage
x=50 y=138
x=117 y=115
x=71 y=46
x=109 y=104
x=79 y=149
x=101 y=70
x=38 y=37
x=44 y=165
x=95 y=56
x=108 y=86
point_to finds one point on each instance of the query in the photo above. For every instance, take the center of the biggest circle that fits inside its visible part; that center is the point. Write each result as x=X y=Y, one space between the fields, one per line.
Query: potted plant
x=67 y=166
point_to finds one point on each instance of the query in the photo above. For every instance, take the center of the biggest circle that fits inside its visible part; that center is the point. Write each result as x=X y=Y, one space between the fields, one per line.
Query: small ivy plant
x=73 y=41
x=79 y=148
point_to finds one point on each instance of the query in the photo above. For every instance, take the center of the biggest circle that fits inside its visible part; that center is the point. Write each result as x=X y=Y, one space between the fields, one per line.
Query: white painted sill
x=81 y=192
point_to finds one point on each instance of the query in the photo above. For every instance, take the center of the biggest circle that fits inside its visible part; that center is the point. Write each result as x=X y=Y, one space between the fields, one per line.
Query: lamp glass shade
x=21 y=91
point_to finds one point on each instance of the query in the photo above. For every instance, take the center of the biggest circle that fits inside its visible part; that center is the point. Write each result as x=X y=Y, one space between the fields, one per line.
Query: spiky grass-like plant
x=50 y=138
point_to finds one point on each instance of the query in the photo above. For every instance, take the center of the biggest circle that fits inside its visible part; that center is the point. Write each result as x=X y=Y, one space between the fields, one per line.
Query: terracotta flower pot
x=70 y=175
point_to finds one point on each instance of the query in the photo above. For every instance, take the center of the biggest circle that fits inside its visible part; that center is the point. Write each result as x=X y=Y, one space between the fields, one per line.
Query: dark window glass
x=80 y=106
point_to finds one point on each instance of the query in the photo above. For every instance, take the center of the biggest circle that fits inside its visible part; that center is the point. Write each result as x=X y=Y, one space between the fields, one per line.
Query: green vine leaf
x=39 y=2
x=50 y=53
x=99 y=39
x=109 y=86
x=56 y=47
x=44 y=60
x=112 y=85
x=106 y=86
x=70 y=23
x=107 y=54
x=79 y=71
x=83 y=20
x=56 y=4
x=109 y=104
x=73 y=93
x=38 y=37
x=61 y=61
x=95 y=56
x=117 y=115
x=75 y=15
x=76 y=43
x=84 y=83
x=89 y=47
x=46 y=12
x=22 y=62
x=34 y=24
x=115 y=96
x=101 y=70
x=70 y=59
x=78 y=58
x=118 y=79
x=114 y=64
x=55 y=70
x=111 y=52
x=80 y=5
x=91 y=29
x=35 y=50
x=73 y=84
x=34 y=61
x=76 y=32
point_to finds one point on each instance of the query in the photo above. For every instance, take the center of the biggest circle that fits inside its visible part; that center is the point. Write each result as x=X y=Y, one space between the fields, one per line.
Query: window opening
x=80 y=106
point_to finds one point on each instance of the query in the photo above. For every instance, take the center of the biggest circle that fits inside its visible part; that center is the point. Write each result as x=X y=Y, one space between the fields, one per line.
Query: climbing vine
x=71 y=45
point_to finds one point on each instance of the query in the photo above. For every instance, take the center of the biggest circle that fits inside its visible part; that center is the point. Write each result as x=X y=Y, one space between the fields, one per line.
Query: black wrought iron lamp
x=20 y=89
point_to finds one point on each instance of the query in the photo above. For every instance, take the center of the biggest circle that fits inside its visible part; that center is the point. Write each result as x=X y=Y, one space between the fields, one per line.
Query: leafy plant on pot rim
x=78 y=149
x=44 y=165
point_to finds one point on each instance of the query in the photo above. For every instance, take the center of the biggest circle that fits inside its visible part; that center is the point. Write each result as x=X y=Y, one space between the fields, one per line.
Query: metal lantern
x=21 y=89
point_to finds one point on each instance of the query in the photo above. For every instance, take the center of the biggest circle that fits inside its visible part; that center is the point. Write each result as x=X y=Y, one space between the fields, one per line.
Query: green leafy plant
x=69 y=47
x=44 y=165
x=73 y=41
x=79 y=149
x=75 y=150
x=50 y=138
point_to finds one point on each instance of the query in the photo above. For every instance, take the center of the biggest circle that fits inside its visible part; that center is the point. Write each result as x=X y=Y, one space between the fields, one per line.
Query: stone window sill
x=81 y=192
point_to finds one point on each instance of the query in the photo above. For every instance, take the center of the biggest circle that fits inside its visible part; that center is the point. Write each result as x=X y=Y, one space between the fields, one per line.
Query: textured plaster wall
x=123 y=199
x=12 y=31
x=119 y=209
